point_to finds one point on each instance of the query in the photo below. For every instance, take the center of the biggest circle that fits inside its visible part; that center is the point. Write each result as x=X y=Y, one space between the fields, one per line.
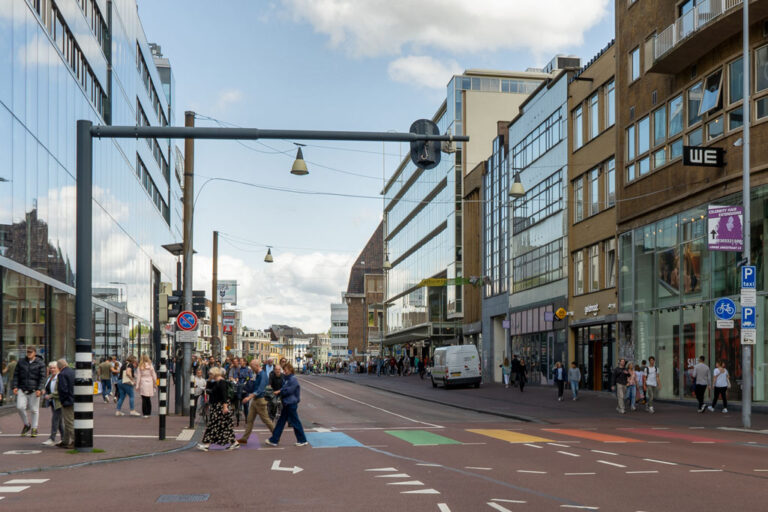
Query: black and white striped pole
x=162 y=405
x=83 y=304
x=192 y=407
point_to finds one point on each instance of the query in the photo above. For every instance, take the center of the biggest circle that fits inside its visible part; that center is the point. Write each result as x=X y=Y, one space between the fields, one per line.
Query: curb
x=519 y=417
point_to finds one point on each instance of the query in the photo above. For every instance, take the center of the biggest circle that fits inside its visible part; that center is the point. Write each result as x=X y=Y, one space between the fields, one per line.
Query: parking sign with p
x=748 y=317
x=748 y=277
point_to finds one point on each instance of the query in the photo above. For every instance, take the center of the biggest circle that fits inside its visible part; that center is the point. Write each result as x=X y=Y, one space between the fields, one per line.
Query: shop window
x=644 y=256
x=625 y=272
x=667 y=261
x=676 y=115
x=694 y=102
x=715 y=128
x=710 y=99
x=736 y=81
x=735 y=118
x=694 y=260
x=659 y=126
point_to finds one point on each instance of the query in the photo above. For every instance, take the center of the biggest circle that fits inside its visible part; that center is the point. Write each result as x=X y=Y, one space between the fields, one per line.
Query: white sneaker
x=203 y=447
x=650 y=410
x=710 y=408
x=725 y=411
x=302 y=444
x=233 y=446
x=119 y=413
x=49 y=442
x=134 y=413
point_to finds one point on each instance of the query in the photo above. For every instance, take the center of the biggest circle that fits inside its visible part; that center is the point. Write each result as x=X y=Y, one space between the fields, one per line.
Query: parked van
x=456 y=365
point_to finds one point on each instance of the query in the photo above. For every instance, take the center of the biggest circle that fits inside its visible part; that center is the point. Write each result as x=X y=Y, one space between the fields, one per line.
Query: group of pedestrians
x=636 y=384
x=704 y=379
x=121 y=380
x=403 y=366
x=515 y=373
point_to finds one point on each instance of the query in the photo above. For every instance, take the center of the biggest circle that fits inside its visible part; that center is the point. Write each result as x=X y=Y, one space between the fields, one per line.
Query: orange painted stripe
x=594 y=436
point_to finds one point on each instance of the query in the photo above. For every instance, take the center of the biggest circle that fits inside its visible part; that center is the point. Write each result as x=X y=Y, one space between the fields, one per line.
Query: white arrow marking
x=276 y=467
x=395 y=475
x=409 y=482
x=382 y=469
x=421 y=491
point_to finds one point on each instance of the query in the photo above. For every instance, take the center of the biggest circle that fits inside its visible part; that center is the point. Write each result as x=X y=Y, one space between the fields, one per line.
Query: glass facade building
x=61 y=61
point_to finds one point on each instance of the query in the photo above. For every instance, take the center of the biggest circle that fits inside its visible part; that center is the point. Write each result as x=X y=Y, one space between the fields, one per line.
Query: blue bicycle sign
x=725 y=308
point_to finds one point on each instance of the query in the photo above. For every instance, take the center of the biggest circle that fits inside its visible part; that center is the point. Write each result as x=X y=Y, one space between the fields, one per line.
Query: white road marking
x=442 y=507
x=640 y=472
x=395 y=475
x=760 y=470
x=696 y=428
x=611 y=463
x=478 y=468
x=604 y=453
x=421 y=491
x=472 y=444
x=429 y=465
x=703 y=442
x=320 y=429
x=498 y=507
x=532 y=445
x=614 y=442
x=186 y=434
x=660 y=428
x=276 y=467
x=658 y=442
x=371 y=406
x=409 y=482
x=568 y=453
x=502 y=500
x=13 y=488
x=382 y=469
x=560 y=445
x=705 y=470
x=532 y=472
x=582 y=507
x=22 y=452
x=27 y=481
x=579 y=474
x=661 y=462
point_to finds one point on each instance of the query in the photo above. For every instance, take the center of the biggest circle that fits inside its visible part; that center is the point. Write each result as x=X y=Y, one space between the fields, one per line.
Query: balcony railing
x=695 y=19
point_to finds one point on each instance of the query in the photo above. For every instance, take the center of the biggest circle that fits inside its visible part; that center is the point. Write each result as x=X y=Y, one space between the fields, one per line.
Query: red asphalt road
x=658 y=468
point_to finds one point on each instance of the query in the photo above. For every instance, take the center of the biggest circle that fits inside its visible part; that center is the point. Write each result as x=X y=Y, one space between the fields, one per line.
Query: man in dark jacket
x=259 y=406
x=620 y=378
x=27 y=384
x=66 y=389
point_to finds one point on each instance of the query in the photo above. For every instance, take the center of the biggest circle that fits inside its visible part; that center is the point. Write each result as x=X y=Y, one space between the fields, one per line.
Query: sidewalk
x=539 y=403
x=118 y=437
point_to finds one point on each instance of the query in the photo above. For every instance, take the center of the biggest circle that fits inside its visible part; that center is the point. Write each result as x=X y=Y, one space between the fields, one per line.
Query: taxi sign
x=186 y=321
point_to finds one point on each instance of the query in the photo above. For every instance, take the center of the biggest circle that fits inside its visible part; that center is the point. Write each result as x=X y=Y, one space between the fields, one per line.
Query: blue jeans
x=631 y=394
x=123 y=390
x=290 y=415
x=575 y=388
x=106 y=388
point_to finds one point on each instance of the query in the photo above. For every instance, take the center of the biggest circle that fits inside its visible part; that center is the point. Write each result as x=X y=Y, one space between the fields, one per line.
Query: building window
x=761 y=71
x=539 y=203
x=676 y=115
x=578 y=278
x=578 y=128
x=711 y=95
x=631 y=143
x=735 y=118
x=660 y=126
x=643 y=135
x=659 y=158
x=695 y=137
x=538 y=141
x=634 y=64
x=538 y=267
x=594 y=192
x=610 y=183
x=736 y=81
x=609 y=248
x=694 y=101
x=676 y=149
x=715 y=128
x=610 y=104
x=578 y=195
x=594 y=268
x=594 y=123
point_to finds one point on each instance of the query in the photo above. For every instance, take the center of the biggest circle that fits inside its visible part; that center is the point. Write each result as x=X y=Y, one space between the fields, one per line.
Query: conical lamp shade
x=268 y=258
x=299 y=165
x=517 y=189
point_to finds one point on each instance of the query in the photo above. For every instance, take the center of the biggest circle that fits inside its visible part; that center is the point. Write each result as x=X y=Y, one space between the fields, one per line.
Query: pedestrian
x=51 y=398
x=422 y=367
x=65 y=384
x=631 y=386
x=199 y=386
x=146 y=384
x=722 y=383
x=522 y=375
x=506 y=369
x=701 y=380
x=115 y=377
x=220 y=428
x=28 y=383
x=105 y=376
x=290 y=394
x=620 y=377
x=269 y=366
x=574 y=378
x=125 y=386
x=652 y=383
x=640 y=390
x=515 y=367
x=259 y=406
x=559 y=376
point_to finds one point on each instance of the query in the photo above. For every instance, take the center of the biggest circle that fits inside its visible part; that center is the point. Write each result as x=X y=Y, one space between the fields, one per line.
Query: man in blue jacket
x=66 y=389
x=259 y=403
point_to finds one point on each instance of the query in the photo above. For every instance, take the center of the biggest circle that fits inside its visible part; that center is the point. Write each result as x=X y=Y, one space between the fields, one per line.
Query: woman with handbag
x=220 y=429
x=146 y=384
x=722 y=383
x=125 y=386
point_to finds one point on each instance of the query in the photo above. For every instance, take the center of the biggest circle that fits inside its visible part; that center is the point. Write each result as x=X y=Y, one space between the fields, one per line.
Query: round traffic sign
x=187 y=321
x=725 y=309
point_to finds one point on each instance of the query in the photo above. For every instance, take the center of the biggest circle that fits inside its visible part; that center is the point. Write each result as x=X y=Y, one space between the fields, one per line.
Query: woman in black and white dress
x=220 y=429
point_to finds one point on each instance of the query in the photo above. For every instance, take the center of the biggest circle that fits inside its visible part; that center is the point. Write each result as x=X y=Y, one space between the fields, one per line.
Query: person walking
x=522 y=375
x=640 y=387
x=651 y=384
x=515 y=367
x=632 y=386
x=574 y=378
x=559 y=376
x=422 y=367
x=259 y=406
x=52 y=400
x=620 y=378
x=506 y=369
x=701 y=380
x=220 y=429
x=199 y=387
x=28 y=383
x=127 y=382
x=105 y=376
x=290 y=394
x=8 y=371
x=115 y=377
x=65 y=382
x=721 y=382
x=146 y=384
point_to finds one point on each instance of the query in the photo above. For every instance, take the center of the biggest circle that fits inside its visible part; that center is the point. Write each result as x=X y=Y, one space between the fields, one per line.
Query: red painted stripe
x=668 y=434
x=594 y=436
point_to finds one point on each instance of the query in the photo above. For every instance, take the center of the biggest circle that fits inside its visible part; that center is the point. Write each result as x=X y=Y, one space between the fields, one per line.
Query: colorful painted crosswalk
x=510 y=436
x=421 y=437
x=331 y=440
x=668 y=434
x=592 y=436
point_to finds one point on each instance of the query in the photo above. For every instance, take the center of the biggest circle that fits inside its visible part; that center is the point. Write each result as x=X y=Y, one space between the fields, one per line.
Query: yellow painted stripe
x=594 y=436
x=509 y=436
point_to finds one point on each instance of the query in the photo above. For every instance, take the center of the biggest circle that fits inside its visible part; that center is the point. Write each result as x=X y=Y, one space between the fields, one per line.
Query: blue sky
x=329 y=65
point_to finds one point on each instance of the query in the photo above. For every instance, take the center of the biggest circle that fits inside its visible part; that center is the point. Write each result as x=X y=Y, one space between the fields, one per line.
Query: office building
x=339 y=329
x=365 y=298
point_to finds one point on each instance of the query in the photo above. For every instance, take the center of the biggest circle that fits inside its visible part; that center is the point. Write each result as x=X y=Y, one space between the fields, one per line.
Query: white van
x=455 y=365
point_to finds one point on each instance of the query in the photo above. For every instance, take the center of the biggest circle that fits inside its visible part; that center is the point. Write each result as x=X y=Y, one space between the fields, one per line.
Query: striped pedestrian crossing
x=421 y=437
x=509 y=436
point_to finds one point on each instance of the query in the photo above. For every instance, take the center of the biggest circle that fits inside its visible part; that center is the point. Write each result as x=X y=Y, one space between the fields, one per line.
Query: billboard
x=227 y=292
x=724 y=228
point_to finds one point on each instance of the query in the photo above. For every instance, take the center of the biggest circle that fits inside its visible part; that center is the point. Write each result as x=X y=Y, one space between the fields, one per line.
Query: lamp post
x=746 y=350
x=516 y=191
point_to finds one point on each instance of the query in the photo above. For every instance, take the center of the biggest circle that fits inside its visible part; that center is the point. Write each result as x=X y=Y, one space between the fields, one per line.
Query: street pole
x=83 y=289
x=215 y=342
x=162 y=404
x=178 y=376
x=189 y=193
x=746 y=350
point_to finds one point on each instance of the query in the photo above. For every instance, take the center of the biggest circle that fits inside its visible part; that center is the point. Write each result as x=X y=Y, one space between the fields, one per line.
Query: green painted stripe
x=421 y=437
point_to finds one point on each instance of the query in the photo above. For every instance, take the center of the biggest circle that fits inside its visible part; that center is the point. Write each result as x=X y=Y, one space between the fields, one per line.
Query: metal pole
x=162 y=406
x=189 y=192
x=746 y=350
x=83 y=301
x=178 y=377
x=215 y=341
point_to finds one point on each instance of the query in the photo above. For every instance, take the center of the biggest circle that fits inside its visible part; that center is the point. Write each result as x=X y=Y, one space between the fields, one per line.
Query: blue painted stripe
x=330 y=440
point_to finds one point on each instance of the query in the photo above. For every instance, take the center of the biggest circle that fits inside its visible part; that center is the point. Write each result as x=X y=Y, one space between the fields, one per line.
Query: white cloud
x=369 y=28
x=227 y=98
x=423 y=71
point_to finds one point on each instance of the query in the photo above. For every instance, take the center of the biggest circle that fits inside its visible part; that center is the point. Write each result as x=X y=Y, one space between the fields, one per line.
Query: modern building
x=60 y=62
x=594 y=319
x=423 y=214
x=679 y=82
x=339 y=329
x=538 y=142
x=365 y=299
